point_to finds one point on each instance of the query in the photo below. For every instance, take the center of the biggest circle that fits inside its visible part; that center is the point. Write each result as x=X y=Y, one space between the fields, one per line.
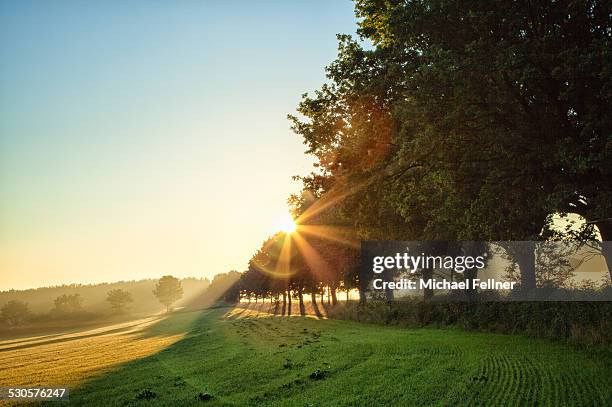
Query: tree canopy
x=68 y=304
x=471 y=121
x=119 y=299
x=168 y=290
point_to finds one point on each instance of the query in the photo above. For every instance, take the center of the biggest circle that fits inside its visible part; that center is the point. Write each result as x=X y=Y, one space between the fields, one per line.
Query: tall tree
x=168 y=290
x=467 y=122
x=521 y=91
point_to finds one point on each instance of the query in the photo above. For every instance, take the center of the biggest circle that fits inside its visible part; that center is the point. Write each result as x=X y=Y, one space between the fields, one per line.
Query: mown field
x=241 y=357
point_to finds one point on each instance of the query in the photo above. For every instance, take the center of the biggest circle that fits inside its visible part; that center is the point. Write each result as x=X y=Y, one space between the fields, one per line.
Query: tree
x=168 y=290
x=269 y=271
x=67 y=304
x=119 y=299
x=467 y=123
x=15 y=312
x=516 y=98
x=224 y=286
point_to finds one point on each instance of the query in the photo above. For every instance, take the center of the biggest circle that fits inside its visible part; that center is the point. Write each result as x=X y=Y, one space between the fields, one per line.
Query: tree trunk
x=313 y=297
x=362 y=296
x=427 y=292
x=333 y=296
x=470 y=274
x=288 y=302
x=473 y=249
x=605 y=229
x=362 y=286
x=301 y=300
x=525 y=258
x=388 y=276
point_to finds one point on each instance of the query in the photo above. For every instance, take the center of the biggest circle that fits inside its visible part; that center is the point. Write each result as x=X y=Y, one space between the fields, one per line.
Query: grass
x=72 y=358
x=62 y=326
x=241 y=357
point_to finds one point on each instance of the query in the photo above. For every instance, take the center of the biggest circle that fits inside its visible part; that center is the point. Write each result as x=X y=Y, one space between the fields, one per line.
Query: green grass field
x=242 y=357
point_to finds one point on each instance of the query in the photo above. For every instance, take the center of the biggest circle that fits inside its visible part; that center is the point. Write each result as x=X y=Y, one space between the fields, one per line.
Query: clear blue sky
x=146 y=138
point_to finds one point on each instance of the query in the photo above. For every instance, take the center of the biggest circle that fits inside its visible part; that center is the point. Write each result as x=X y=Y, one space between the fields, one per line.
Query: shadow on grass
x=159 y=376
x=326 y=307
x=317 y=311
x=223 y=363
x=126 y=329
x=237 y=314
x=308 y=309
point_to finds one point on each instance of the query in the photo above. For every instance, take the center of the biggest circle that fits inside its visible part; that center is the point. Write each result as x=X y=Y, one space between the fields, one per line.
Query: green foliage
x=15 y=312
x=305 y=262
x=168 y=290
x=476 y=122
x=581 y=323
x=271 y=361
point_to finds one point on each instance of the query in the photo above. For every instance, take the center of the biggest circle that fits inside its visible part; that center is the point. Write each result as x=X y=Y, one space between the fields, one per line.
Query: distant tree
x=168 y=290
x=15 y=312
x=68 y=304
x=232 y=292
x=224 y=286
x=119 y=299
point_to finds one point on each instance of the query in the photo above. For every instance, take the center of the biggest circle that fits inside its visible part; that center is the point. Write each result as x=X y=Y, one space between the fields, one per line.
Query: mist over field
x=40 y=300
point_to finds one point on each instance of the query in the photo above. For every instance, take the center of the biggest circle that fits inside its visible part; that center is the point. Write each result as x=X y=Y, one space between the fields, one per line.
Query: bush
x=67 y=304
x=14 y=313
x=583 y=323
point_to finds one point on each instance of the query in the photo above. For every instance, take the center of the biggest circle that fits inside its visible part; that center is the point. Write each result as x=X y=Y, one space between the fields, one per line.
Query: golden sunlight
x=286 y=224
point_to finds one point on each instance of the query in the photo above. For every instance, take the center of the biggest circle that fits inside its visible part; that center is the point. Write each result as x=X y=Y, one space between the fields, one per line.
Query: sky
x=139 y=139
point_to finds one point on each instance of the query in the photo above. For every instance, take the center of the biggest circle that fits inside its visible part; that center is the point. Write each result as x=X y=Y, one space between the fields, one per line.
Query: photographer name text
x=434 y=284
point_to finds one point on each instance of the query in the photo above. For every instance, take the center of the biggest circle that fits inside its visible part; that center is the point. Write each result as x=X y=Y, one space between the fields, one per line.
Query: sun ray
x=316 y=263
x=283 y=264
x=330 y=198
x=282 y=268
x=331 y=233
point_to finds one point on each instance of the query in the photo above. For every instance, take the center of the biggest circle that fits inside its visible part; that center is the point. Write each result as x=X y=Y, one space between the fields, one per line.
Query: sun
x=286 y=224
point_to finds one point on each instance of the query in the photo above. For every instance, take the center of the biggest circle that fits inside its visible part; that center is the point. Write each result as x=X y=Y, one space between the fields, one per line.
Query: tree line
x=477 y=121
x=168 y=290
